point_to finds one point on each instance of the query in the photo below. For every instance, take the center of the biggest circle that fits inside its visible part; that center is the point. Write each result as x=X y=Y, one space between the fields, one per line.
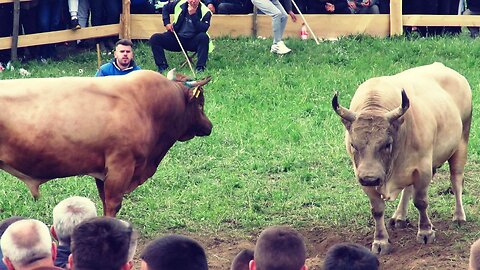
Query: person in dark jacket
x=190 y=25
x=473 y=8
x=328 y=7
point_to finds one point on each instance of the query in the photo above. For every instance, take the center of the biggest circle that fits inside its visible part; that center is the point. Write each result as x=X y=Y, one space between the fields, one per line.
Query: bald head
x=26 y=241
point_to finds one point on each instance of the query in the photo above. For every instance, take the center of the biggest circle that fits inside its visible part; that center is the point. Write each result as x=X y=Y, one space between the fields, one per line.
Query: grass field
x=276 y=153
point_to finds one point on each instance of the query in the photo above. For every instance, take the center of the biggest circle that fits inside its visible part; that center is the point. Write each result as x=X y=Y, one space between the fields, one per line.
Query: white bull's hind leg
x=457 y=164
x=399 y=218
x=381 y=243
x=425 y=234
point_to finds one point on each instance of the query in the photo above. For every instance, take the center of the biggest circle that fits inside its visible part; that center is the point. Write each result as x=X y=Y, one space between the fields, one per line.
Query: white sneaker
x=280 y=48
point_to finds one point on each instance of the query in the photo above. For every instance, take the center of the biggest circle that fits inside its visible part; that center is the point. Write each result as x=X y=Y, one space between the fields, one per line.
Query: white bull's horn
x=171 y=75
x=398 y=112
x=341 y=111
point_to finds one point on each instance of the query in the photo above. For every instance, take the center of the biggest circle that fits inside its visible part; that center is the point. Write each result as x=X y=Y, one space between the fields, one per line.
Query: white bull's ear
x=172 y=74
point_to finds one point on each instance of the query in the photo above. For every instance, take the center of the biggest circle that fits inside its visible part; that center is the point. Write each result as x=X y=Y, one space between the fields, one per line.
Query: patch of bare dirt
x=449 y=251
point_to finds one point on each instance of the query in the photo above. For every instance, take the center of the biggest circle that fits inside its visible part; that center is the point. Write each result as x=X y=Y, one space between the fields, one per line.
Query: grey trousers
x=279 y=16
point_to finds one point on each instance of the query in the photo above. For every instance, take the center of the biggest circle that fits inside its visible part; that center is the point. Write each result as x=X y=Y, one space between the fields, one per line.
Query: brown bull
x=116 y=129
x=398 y=130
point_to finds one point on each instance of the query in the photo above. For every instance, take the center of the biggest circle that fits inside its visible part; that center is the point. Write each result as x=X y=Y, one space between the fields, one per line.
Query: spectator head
x=27 y=244
x=241 y=261
x=279 y=247
x=3 y=226
x=123 y=53
x=101 y=243
x=350 y=256
x=174 y=252
x=69 y=213
x=475 y=256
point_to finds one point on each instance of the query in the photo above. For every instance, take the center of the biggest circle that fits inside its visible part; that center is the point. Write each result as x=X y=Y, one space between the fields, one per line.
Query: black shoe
x=162 y=68
x=74 y=25
x=200 y=69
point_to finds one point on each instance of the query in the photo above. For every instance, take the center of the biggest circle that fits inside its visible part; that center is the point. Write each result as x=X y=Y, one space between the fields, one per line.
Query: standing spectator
x=234 y=7
x=49 y=15
x=29 y=23
x=3 y=226
x=105 y=12
x=279 y=247
x=173 y=252
x=474 y=260
x=349 y=256
x=26 y=244
x=66 y=215
x=274 y=9
x=473 y=8
x=191 y=22
x=6 y=26
x=102 y=243
x=141 y=7
x=123 y=62
x=242 y=260
x=73 y=9
x=384 y=6
x=83 y=12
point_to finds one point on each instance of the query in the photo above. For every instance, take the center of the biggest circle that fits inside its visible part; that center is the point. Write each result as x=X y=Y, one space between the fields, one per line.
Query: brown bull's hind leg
x=101 y=193
x=120 y=172
x=457 y=164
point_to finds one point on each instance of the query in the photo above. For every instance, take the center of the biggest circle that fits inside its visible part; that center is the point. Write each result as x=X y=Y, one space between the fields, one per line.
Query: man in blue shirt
x=123 y=62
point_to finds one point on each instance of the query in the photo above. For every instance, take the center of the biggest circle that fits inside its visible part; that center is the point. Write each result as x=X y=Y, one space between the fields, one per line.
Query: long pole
x=305 y=21
x=16 y=27
x=184 y=53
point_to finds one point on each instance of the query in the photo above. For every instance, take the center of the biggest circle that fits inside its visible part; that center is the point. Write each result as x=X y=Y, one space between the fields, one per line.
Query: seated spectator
x=473 y=8
x=103 y=243
x=173 y=252
x=474 y=263
x=66 y=215
x=211 y=4
x=279 y=247
x=27 y=244
x=191 y=22
x=3 y=226
x=350 y=256
x=123 y=62
x=364 y=6
x=242 y=260
x=141 y=7
x=73 y=9
x=328 y=7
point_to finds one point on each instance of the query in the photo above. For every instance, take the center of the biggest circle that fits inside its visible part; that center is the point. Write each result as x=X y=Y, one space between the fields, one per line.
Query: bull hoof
x=426 y=236
x=397 y=223
x=459 y=222
x=381 y=247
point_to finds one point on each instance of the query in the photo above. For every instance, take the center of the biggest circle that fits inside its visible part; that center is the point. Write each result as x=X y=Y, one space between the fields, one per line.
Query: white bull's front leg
x=425 y=234
x=381 y=243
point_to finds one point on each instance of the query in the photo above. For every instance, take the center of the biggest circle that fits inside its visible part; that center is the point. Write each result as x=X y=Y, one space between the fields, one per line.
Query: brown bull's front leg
x=120 y=168
x=425 y=234
x=381 y=243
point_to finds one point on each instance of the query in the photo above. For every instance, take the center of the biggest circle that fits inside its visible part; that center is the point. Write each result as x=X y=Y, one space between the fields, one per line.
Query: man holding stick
x=190 y=25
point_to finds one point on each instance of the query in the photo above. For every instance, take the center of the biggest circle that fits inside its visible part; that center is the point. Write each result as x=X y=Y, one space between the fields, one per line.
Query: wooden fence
x=324 y=26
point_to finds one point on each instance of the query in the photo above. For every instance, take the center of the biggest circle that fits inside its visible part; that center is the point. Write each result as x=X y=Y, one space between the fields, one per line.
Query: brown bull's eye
x=353 y=147
x=388 y=147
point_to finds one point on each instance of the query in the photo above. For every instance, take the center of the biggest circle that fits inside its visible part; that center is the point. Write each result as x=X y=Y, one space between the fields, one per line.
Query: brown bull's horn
x=201 y=82
x=398 y=112
x=341 y=111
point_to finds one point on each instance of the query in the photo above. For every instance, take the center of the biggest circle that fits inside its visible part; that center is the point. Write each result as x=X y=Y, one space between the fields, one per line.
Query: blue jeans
x=279 y=16
x=49 y=15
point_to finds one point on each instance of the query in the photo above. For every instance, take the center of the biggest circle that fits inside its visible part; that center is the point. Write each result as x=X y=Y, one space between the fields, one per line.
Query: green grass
x=276 y=154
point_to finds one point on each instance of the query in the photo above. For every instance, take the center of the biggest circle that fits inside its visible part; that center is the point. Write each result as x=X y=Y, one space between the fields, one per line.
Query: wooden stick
x=99 y=57
x=184 y=53
x=16 y=28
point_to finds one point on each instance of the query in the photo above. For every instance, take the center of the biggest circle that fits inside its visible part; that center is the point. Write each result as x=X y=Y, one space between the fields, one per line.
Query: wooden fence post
x=125 y=21
x=396 y=22
x=16 y=27
x=254 y=22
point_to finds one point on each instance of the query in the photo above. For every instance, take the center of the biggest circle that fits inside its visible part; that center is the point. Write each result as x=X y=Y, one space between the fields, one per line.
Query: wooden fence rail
x=137 y=26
